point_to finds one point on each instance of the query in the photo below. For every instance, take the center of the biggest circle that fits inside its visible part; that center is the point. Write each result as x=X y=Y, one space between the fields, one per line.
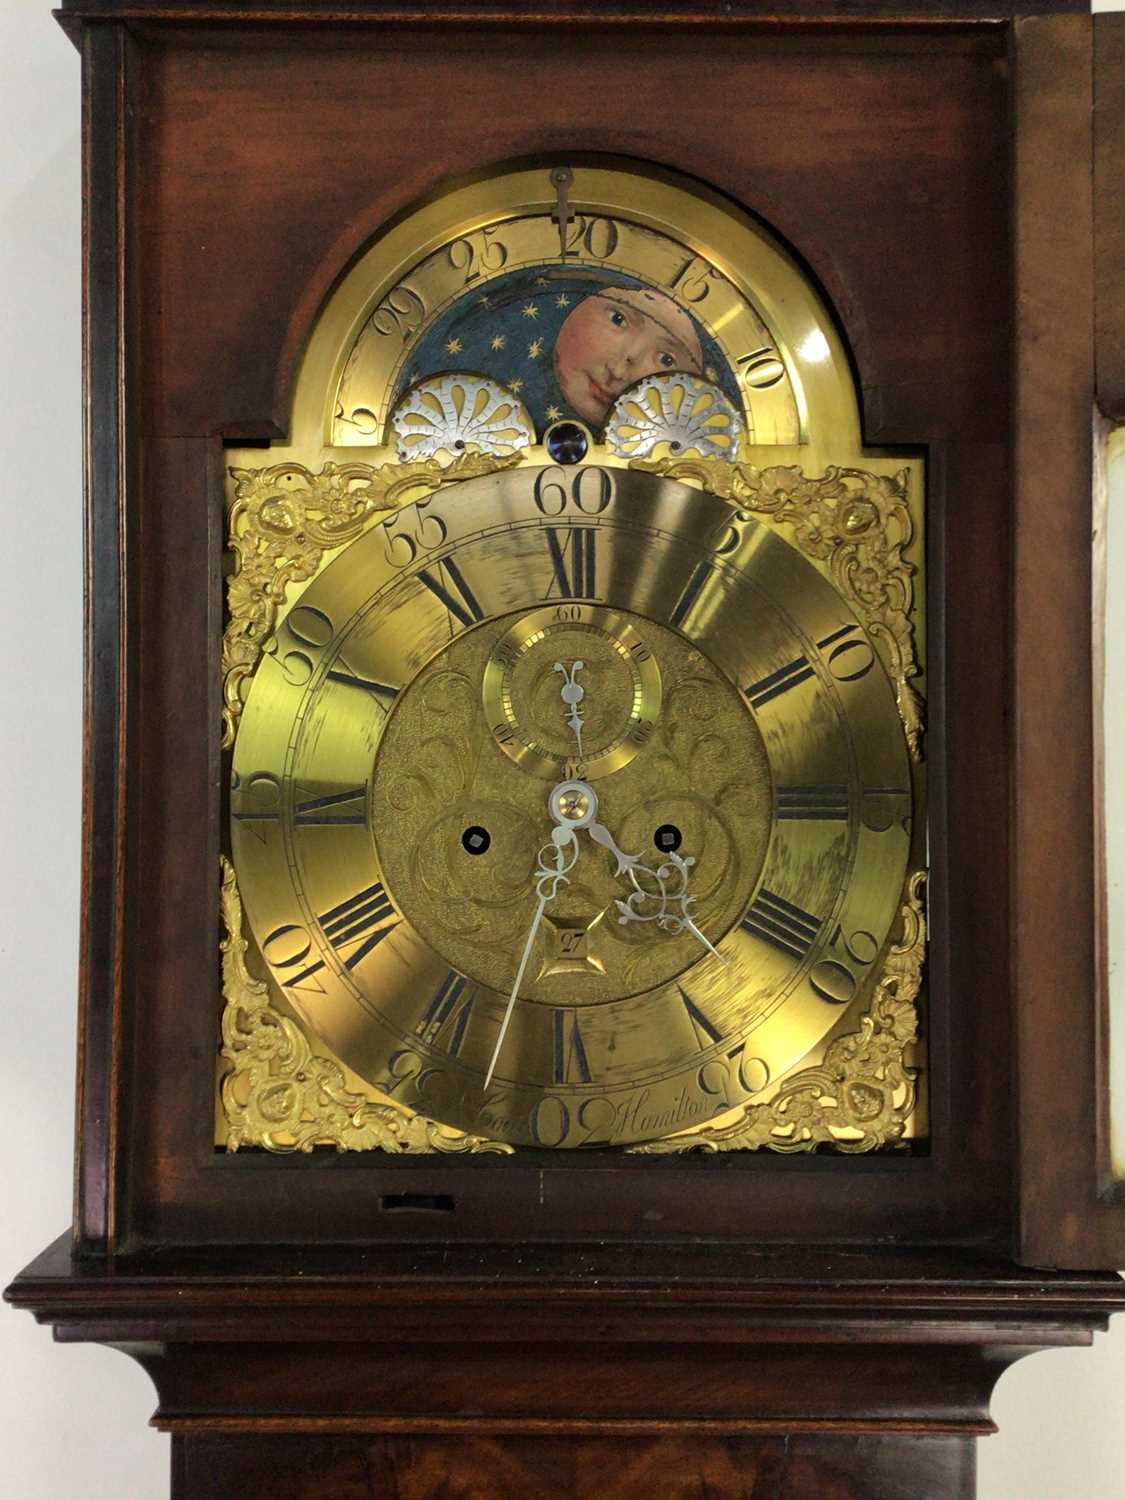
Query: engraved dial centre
x=683 y=751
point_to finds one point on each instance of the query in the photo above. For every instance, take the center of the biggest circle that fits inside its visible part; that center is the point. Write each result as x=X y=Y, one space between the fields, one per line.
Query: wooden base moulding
x=532 y=1370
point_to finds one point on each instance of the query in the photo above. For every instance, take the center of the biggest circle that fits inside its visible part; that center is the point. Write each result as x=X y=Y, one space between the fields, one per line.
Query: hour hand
x=665 y=901
x=553 y=864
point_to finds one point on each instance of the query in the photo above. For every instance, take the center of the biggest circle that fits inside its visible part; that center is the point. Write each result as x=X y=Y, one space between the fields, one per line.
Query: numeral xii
x=574 y=558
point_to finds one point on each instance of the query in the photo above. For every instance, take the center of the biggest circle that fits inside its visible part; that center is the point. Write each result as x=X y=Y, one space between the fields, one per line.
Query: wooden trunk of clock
x=742 y=1325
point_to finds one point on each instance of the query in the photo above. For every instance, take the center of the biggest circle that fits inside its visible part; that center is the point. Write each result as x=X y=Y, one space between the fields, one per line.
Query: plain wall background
x=72 y=1419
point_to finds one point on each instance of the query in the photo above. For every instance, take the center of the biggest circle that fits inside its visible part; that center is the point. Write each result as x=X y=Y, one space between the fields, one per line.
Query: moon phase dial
x=572 y=690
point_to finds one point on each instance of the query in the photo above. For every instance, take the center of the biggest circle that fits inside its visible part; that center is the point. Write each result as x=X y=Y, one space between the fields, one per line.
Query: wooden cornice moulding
x=730 y=13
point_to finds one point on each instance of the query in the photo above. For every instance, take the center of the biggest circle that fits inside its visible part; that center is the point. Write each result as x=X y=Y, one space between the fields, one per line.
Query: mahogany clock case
x=235 y=166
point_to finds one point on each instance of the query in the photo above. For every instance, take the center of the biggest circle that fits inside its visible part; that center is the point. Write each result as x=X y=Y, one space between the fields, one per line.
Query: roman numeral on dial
x=821 y=801
x=838 y=648
x=706 y=1034
x=362 y=922
x=781 y=924
x=334 y=809
x=448 y=584
x=789 y=676
x=383 y=693
x=692 y=590
x=442 y=1010
x=574 y=560
x=570 y=1062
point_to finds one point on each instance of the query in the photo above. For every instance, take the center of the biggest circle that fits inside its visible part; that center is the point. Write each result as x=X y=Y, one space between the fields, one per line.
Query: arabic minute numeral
x=598 y=237
x=881 y=813
x=411 y=530
x=692 y=282
x=831 y=978
x=288 y=947
x=761 y=369
x=311 y=630
x=254 y=800
x=727 y=1080
x=402 y=311
x=589 y=490
x=549 y=1121
x=478 y=254
x=730 y=534
x=846 y=653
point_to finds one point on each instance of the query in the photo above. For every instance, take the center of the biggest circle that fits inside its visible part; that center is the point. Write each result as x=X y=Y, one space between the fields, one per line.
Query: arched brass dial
x=368 y=766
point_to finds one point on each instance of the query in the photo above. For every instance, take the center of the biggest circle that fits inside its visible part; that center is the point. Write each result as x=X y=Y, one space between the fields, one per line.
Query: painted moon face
x=615 y=338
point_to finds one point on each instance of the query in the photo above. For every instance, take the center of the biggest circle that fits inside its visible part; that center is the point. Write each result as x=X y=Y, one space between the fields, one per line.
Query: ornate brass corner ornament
x=862 y=1094
x=858 y=523
x=278 y=1095
x=283 y=520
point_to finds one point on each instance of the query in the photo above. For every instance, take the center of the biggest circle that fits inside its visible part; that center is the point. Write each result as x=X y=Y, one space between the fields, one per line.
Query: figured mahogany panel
x=675 y=1468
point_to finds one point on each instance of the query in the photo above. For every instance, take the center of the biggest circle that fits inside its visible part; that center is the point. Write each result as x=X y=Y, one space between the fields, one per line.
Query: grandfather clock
x=592 y=970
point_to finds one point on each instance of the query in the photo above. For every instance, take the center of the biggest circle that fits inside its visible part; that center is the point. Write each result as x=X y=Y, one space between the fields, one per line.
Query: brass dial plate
x=818 y=819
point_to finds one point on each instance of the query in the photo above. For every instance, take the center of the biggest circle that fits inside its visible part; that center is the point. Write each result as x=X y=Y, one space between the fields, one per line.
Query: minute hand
x=554 y=860
x=673 y=905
